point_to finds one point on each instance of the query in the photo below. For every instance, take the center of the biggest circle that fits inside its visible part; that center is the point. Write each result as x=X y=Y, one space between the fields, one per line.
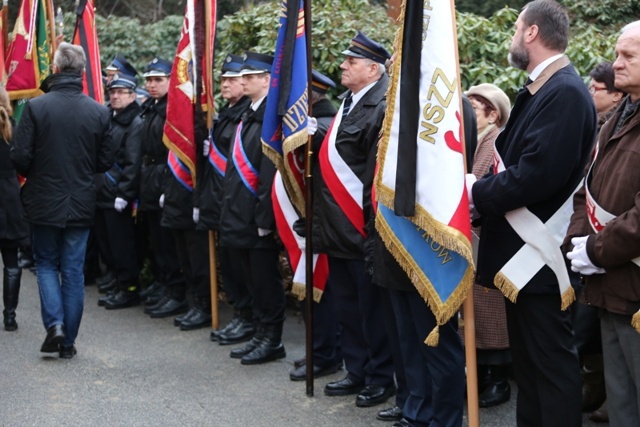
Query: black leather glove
x=300 y=227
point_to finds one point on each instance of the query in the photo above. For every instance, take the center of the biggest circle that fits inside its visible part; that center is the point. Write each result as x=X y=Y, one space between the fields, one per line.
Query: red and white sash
x=286 y=216
x=344 y=185
x=542 y=247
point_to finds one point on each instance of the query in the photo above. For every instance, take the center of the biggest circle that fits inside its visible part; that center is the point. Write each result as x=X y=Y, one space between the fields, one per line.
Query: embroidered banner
x=86 y=36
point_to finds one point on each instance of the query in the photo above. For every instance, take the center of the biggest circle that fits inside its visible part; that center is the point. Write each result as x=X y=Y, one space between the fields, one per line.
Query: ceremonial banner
x=423 y=208
x=191 y=81
x=294 y=244
x=3 y=41
x=27 y=56
x=85 y=35
x=285 y=121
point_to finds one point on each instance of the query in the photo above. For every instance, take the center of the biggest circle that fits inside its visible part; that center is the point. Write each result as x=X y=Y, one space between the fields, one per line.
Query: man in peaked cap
x=348 y=157
x=241 y=327
x=247 y=221
x=116 y=190
x=122 y=67
x=153 y=182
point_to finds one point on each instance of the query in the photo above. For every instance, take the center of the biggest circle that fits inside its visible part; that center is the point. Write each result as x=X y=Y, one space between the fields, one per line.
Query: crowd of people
x=563 y=155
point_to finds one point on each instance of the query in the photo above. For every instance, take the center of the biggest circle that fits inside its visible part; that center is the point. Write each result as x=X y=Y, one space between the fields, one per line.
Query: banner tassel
x=434 y=337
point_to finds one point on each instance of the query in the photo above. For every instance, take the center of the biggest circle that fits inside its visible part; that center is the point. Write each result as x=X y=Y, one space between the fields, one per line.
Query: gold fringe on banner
x=635 y=321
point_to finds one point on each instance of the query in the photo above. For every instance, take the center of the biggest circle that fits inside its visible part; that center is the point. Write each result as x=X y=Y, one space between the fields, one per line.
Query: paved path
x=132 y=370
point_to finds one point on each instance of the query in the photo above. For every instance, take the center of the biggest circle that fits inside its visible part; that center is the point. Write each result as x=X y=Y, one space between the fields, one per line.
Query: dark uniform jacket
x=123 y=178
x=544 y=156
x=154 y=172
x=62 y=140
x=615 y=185
x=356 y=141
x=210 y=192
x=242 y=212
x=14 y=230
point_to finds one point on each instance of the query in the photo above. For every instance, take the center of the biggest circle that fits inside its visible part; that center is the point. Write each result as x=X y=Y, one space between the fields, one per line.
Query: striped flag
x=190 y=83
x=85 y=35
x=284 y=129
x=423 y=209
x=28 y=53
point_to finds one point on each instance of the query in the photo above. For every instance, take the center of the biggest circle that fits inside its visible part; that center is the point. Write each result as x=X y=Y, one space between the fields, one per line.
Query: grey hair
x=629 y=26
x=381 y=67
x=69 y=58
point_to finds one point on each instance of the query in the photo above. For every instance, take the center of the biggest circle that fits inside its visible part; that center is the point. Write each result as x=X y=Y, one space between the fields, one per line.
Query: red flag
x=85 y=35
x=191 y=72
x=27 y=58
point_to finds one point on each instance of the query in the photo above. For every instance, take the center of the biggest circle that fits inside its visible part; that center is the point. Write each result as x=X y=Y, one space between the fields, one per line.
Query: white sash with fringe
x=542 y=247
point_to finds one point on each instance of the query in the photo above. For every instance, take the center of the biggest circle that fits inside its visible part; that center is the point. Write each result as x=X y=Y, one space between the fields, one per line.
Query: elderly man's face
x=357 y=73
x=627 y=64
x=231 y=88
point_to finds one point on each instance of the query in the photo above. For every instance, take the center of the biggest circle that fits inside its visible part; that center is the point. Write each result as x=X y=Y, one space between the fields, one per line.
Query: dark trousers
x=116 y=239
x=192 y=247
x=365 y=345
x=260 y=267
x=435 y=375
x=326 y=330
x=233 y=279
x=9 y=257
x=163 y=247
x=545 y=362
x=396 y=351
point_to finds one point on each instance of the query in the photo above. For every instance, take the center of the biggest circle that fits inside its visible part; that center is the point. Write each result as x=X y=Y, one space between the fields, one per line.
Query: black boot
x=240 y=352
x=268 y=349
x=498 y=391
x=10 y=292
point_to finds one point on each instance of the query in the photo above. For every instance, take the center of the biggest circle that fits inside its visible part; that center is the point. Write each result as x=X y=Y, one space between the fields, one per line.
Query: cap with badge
x=363 y=47
x=232 y=66
x=122 y=66
x=158 y=67
x=256 y=63
x=321 y=83
x=122 y=81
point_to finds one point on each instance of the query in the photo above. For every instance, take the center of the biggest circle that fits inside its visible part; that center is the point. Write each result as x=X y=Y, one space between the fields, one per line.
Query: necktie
x=347 y=106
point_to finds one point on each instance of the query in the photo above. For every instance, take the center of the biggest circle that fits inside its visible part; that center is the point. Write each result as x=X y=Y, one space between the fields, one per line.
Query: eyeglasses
x=594 y=89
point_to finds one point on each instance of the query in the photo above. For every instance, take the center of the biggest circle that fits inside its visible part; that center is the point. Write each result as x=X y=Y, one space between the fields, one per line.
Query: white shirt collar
x=355 y=97
x=544 y=64
x=256 y=104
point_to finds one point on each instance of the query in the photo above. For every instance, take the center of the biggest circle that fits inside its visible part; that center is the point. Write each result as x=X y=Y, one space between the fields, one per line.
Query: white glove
x=469 y=180
x=312 y=125
x=264 y=232
x=580 y=262
x=120 y=204
x=206 y=146
x=196 y=215
x=161 y=201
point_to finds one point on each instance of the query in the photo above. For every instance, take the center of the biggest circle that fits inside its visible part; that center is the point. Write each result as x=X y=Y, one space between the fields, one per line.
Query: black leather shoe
x=153 y=299
x=343 y=387
x=215 y=335
x=240 y=352
x=243 y=331
x=122 y=299
x=169 y=308
x=402 y=423
x=55 y=337
x=151 y=289
x=199 y=319
x=373 y=395
x=300 y=362
x=150 y=307
x=300 y=373
x=67 y=352
x=103 y=300
x=495 y=394
x=266 y=351
x=178 y=320
x=390 y=414
x=105 y=278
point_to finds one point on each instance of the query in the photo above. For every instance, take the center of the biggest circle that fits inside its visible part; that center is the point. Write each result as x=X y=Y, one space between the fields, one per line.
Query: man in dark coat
x=59 y=158
x=117 y=189
x=543 y=160
x=211 y=193
x=247 y=222
x=347 y=158
x=154 y=176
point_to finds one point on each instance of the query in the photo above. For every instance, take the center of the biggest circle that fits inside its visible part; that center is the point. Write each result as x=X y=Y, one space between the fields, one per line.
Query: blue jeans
x=59 y=254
